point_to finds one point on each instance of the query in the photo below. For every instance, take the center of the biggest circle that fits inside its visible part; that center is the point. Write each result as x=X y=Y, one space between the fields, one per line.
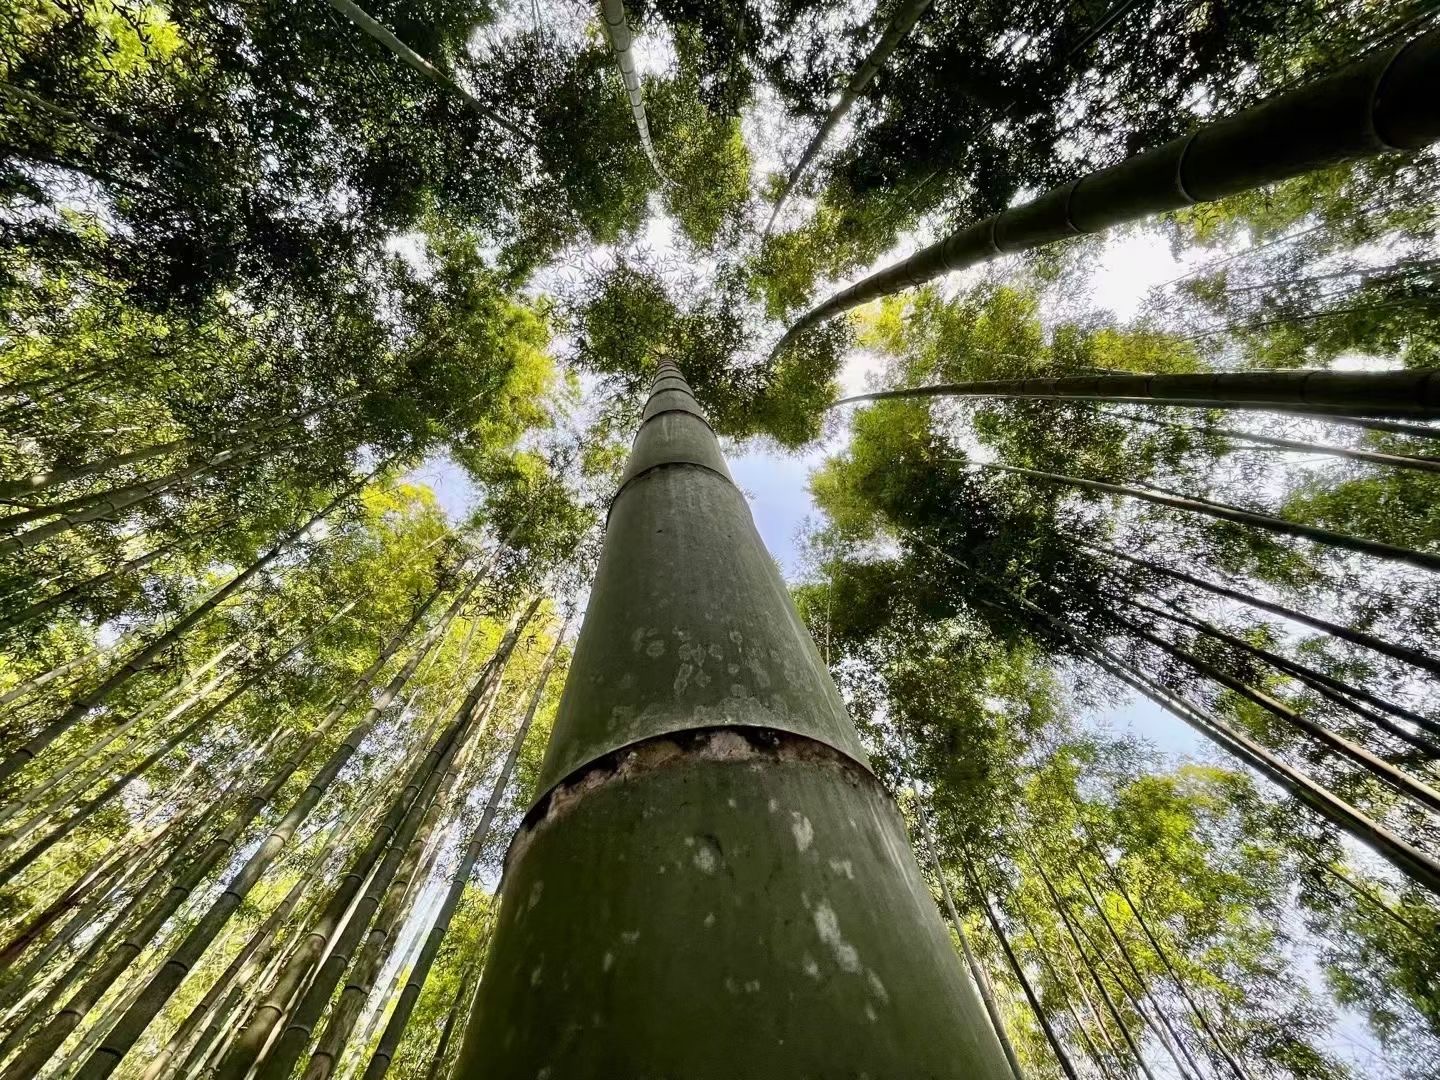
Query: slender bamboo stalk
x=1109 y=1001
x=29 y=686
x=1051 y=1036
x=617 y=33
x=140 y=658
x=251 y=1042
x=1403 y=653
x=399 y=1019
x=437 y=1057
x=1388 y=393
x=33 y=795
x=1198 y=1013
x=1423 y=559
x=1175 y=1041
x=1352 y=453
x=183 y=958
x=1376 y=766
x=896 y=28
x=387 y=881
x=982 y=981
x=1329 y=687
x=1379 y=104
x=409 y=56
x=174 y=863
x=89 y=806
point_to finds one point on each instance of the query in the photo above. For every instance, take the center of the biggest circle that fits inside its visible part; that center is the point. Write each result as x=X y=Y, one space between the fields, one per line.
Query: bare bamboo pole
x=183 y=958
x=1386 y=393
x=1403 y=653
x=251 y=1042
x=1425 y=560
x=617 y=33
x=384 y=1052
x=1057 y=1047
x=80 y=707
x=1383 y=103
x=896 y=29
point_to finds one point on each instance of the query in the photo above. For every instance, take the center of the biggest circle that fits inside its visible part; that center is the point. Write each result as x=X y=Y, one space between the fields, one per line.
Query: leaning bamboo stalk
x=138 y=660
x=1404 y=856
x=172 y=863
x=895 y=31
x=390 y=854
x=617 y=33
x=1174 y=1036
x=1110 y=1006
x=29 y=686
x=1352 y=453
x=42 y=481
x=1198 y=1013
x=104 y=505
x=202 y=934
x=1383 y=103
x=1403 y=653
x=59 y=1027
x=1386 y=393
x=1417 y=864
x=1373 y=764
x=1222 y=511
x=1327 y=686
x=1051 y=1035
x=89 y=806
x=414 y=60
x=982 y=981
x=23 y=801
x=251 y=1042
x=410 y=872
x=255 y=952
x=400 y=1018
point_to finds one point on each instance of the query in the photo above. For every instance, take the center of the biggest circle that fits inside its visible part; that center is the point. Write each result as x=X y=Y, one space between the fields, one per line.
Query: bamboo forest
x=696 y=540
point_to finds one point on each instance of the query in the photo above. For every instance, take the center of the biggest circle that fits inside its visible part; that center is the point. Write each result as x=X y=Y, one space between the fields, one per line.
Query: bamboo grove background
x=271 y=712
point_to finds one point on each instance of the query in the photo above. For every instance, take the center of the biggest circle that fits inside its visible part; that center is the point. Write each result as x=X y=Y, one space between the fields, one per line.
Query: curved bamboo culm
x=385 y=37
x=1412 y=393
x=1422 y=559
x=617 y=33
x=1383 y=104
x=1402 y=653
x=900 y=24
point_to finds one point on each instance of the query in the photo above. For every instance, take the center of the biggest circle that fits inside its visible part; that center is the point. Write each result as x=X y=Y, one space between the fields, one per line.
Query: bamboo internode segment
x=1385 y=103
x=1389 y=393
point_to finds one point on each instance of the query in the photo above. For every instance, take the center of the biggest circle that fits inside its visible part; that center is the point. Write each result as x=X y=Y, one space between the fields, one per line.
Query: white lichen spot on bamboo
x=810 y=966
x=630 y=937
x=827 y=926
x=870 y=1014
x=682 y=677
x=655 y=649
x=705 y=860
x=877 y=987
x=710 y=920
x=843 y=867
x=607 y=961
x=803 y=830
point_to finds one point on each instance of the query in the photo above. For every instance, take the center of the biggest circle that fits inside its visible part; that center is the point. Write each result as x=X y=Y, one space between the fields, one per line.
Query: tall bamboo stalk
x=699 y=730
x=400 y=1018
x=1387 y=393
x=183 y=958
x=1042 y=1018
x=900 y=23
x=251 y=1042
x=1381 y=104
x=982 y=981
x=1221 y=511
x=1403 y=653
x=617 y=33
x=80 y=707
